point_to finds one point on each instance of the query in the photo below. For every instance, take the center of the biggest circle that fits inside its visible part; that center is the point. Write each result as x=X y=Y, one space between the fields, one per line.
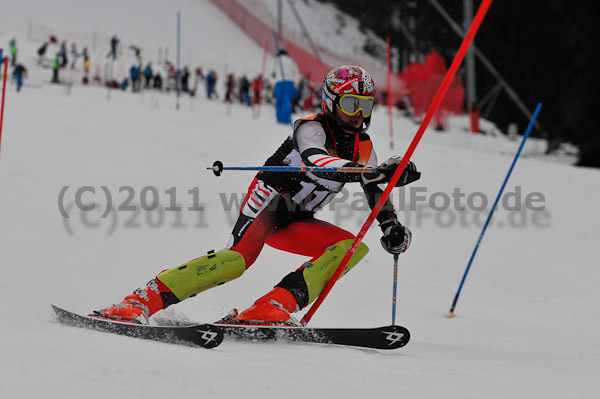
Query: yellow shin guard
x=203 y=273
x=317 y=274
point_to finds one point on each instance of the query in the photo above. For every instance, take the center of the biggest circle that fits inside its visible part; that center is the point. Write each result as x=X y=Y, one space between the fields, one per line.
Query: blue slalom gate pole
x=489 y=218
x=395 y=288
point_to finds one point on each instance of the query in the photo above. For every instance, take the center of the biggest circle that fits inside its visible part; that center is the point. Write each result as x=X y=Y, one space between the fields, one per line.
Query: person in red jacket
x=279 y=211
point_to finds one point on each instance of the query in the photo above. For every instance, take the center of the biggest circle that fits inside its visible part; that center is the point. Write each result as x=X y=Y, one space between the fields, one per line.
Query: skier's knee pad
x=203 y=273
x=307 y=283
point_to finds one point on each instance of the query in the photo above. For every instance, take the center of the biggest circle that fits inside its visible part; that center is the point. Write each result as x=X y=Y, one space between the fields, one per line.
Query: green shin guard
x=203 y=273
x=317 y=274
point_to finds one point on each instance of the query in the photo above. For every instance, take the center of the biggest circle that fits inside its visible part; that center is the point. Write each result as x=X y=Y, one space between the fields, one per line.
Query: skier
x=279 y=211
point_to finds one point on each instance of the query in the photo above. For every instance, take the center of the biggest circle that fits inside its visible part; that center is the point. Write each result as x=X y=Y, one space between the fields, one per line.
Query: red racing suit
x=279 y=207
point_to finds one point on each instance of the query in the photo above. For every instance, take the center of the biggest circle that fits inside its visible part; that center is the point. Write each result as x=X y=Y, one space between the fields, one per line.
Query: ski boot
x=137 y=307
x=274 y=308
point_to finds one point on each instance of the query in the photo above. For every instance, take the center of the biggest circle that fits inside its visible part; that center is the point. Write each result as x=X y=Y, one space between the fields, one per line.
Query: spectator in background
x=211 y=83
x=42 y=52
x=134 y=74
x=55 y=67
x=289 y=66
x=86 y=61
x=172 y=76
x=245 y=91
x=286 y=72
x=256 y=89
x=19 y=73
x=185 y=80
x=114 y=43
x=148 y=75
x=138 y=55
x=157 y=81
x=198 y=77
x=74 y=55
x=13 y=52
x=229 y=86
x=64 y=60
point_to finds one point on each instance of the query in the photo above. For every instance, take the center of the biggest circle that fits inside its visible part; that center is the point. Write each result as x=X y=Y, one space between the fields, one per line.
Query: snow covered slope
x=526 y=324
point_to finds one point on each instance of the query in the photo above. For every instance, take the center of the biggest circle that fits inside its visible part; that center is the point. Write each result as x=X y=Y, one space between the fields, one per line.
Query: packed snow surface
x=527 y=321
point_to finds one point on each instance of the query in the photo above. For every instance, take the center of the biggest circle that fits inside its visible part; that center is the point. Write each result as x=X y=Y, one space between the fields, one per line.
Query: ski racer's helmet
x=351 y=89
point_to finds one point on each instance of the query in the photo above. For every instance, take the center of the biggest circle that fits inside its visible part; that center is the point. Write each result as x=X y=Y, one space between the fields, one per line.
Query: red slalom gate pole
x=3 y=97
x=460 y=55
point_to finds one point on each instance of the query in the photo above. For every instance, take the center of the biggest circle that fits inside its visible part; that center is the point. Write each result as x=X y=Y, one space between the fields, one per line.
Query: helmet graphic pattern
x=346 y=79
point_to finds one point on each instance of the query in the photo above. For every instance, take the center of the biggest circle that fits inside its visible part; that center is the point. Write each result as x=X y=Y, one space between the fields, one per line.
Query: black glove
x=387 y=170
x=396 y=238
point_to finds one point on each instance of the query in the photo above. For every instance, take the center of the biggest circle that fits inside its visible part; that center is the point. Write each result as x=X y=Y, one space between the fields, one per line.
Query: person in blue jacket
x=211 y=81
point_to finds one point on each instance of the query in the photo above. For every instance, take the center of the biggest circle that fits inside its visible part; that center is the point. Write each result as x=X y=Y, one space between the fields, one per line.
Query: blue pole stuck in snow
x=489 y=218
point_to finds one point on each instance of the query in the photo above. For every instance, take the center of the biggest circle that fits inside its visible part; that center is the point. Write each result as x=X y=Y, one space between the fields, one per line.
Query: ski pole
x=407 y=177
x=395 y=287
x=411 y=149
x=489 y=218
x=218 y=168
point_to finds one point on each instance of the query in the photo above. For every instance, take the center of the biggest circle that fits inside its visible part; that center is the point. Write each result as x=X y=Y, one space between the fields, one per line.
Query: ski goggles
x=350 y=104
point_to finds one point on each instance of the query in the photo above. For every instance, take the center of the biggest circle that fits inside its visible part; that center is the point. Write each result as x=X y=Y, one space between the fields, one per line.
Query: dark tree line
x=544 y=49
